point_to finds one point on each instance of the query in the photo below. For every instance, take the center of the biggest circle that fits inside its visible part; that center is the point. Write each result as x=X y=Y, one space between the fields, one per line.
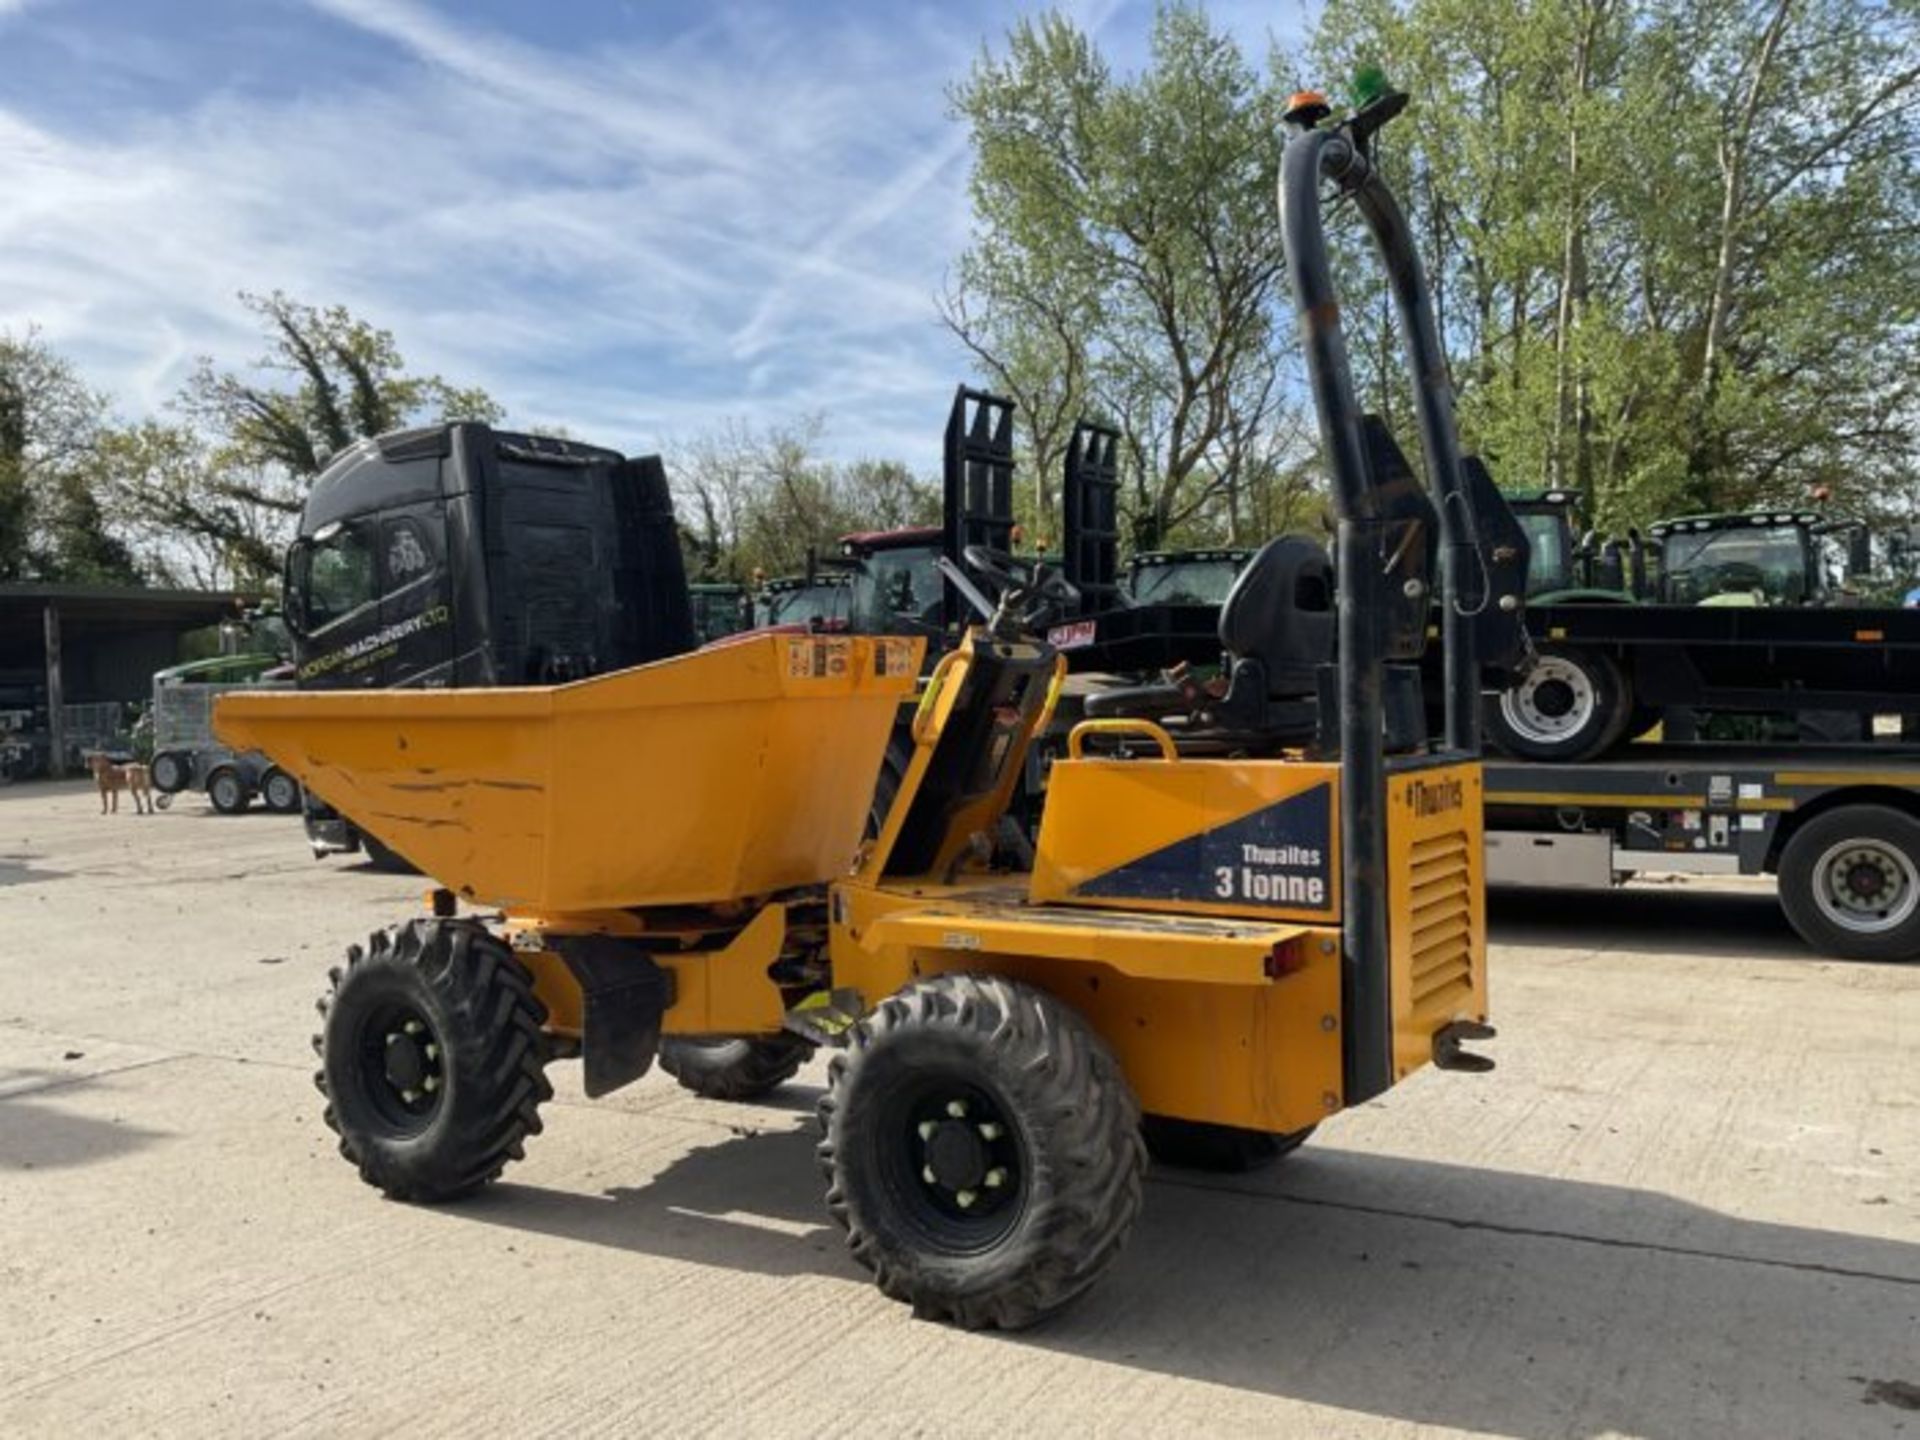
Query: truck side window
x=340 y=577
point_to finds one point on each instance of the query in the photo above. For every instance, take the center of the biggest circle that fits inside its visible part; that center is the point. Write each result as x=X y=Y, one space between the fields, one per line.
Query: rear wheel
x=982 y=1151
x=1850 y=883
x=432 y=1059
x=228 y=791
x=171 y=772
x=1569 y=704
x=737 y=1067
x=1197 y=1145
x=281 y=792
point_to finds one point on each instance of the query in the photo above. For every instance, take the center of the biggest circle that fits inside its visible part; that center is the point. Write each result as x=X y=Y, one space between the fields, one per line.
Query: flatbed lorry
x=1838 y=827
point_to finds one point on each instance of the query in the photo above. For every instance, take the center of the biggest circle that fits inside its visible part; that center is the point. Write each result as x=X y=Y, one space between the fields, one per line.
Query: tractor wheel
x=738 y=1067
x=982 y=1151
x=1850 y=883
x=1196 y=1145
x=228 y=791
x=281 y=792
x=171 y=772
x=1569 y=704
x=432 y=1059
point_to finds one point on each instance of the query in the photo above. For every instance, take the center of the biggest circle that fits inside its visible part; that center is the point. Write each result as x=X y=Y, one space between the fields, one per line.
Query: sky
x=635 y=219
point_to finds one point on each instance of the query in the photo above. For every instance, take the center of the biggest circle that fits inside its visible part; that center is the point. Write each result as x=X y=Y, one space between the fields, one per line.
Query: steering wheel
x=1031 y=592
x=1735 y=577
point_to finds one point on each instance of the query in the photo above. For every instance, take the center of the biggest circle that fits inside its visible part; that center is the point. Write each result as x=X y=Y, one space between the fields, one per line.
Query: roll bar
x=1340 y=153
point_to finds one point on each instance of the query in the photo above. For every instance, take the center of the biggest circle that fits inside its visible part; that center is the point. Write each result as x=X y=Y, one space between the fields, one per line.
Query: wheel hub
x=1553 y=699
x=1866 y=880
x=1866 y=886
x=957 y=1156
x=964 y=1154
x=406 y=1057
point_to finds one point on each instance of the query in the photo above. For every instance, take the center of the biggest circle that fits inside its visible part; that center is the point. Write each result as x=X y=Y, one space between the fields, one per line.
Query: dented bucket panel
x=734 y=771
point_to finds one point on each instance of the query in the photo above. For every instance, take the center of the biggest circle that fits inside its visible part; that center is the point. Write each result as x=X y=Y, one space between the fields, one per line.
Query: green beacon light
x=1369 y=83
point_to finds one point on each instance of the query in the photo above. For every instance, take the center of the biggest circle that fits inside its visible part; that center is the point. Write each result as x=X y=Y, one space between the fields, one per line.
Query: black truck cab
x=459 y=555
x=462 y=555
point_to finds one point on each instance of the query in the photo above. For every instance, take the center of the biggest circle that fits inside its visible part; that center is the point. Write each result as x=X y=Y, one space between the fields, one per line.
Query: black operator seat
x=1277 y=628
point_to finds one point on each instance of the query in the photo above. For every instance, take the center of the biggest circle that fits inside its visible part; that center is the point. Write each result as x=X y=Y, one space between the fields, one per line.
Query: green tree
x=1126 y=258
x=762 y=499
x=1675 y=244
x=226 y=485
x=52 y=523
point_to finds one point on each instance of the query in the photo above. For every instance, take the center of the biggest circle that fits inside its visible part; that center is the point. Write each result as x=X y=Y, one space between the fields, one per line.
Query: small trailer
x=1837 y=826
x=188 y=757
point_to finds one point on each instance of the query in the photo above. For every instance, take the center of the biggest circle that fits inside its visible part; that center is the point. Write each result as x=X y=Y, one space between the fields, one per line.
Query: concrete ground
x=1686 y=1204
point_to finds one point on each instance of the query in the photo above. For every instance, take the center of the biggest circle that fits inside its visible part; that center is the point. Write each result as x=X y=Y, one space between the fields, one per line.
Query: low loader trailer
x=1838 y=827
x=1239 y=944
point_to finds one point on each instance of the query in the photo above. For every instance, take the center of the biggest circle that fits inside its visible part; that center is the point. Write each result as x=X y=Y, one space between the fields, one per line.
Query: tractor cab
x=814 y=602
x=1744 y=559
x=1183 y=577
x=1566 y=564
x=895 y=584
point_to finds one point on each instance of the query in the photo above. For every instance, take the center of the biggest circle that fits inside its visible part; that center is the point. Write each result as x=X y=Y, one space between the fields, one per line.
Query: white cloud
x=748 y=218
x=589 y=236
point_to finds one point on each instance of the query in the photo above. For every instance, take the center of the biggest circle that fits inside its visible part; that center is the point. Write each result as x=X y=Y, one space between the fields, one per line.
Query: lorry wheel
x=738 y=1067
x=1196 y=1145
x=1569 y=704
x=1850 y=883
x=228 y=791
x=982 y=1150
x=171 y=772
x=432 y=1059
x=281 y=792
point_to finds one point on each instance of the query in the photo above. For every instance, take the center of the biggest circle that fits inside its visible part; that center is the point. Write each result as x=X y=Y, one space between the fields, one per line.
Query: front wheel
x=1569 y=704
x=982 y=1151
x=432 y=1059
x=228 y=791
x=736 y=1067
x=1850 y=883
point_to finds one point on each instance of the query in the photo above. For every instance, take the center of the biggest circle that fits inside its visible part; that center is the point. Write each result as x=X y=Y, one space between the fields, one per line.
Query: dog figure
x=112 y=779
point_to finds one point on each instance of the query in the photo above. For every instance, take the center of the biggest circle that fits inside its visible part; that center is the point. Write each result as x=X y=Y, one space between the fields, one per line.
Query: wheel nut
x=964 y=1199
x=996 y=1177
x=926 y=1174
x=394 y=1038
x=927 y=1127
x=433 y=1052
x=991 y=1131
x=409 y=1096
x=413 y=1027
x=430 y=1084
x=957 y=1108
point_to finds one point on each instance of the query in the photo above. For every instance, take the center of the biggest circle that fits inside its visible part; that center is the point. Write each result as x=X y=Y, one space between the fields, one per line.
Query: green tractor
x=1754 y=558
x=1566 y=565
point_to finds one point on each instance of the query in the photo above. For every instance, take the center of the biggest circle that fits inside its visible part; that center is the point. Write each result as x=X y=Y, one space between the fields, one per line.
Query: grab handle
x=1122 y=726
x=923 y=713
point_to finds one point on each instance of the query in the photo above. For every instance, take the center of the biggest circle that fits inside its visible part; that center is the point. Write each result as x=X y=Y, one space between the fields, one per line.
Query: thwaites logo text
x=1437 y=797
x=1277 y=856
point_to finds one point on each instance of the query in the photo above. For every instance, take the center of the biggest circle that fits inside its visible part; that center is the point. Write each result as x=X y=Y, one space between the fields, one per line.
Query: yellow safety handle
x=1122 y=726
x=1047 y=706
x=923 y=712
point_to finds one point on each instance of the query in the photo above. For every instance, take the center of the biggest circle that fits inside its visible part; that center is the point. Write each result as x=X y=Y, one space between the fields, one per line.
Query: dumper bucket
x=731 y=772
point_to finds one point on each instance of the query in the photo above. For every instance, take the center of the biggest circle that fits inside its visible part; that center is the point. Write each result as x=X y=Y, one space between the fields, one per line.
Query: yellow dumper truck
x=1230 y=925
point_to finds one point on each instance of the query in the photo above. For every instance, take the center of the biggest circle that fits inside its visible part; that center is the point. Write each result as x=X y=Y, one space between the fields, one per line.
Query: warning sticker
x=817 y=657
x=892 y=657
